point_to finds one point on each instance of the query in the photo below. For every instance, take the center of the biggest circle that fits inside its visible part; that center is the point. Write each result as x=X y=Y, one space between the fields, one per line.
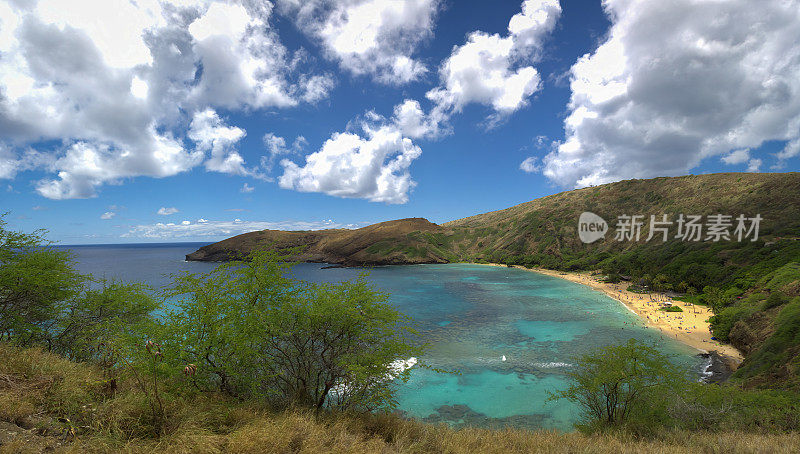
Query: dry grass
x=302 y=433
x=39 y=387
x=34 y=382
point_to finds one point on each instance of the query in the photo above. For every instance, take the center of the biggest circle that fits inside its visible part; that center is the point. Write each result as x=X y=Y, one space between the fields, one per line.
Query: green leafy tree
x=36 y=281
x=661 y=283
x=212 y=315
x=103 y=317
x=723 y=322
x=44 y=300
x=618 y=381
x=714 y=297
x=252 y=331
x=336 y=345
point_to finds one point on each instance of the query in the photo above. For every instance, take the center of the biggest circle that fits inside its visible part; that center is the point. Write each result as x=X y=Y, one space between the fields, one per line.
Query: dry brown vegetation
x=49 y=404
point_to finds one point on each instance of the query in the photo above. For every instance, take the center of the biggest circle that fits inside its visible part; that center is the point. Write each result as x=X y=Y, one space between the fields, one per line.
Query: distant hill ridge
x=542 y=232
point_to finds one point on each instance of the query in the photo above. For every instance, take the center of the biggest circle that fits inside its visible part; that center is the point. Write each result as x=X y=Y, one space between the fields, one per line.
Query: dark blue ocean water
x=471 y=315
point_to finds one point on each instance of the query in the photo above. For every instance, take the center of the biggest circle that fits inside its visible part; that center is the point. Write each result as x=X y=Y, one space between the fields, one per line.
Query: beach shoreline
x=688 y=327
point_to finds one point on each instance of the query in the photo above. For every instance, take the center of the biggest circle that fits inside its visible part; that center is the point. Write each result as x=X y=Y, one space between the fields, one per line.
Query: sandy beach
x=690 y=326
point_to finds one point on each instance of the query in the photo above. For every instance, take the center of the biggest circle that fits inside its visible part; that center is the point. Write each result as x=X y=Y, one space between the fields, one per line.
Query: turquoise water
x=471 y=316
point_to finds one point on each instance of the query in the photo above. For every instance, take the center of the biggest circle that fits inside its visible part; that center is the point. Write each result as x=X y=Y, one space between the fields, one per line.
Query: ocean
x=508 y=335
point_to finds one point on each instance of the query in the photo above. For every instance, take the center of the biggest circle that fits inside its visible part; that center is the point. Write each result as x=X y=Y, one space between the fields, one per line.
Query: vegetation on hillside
x=544 y=232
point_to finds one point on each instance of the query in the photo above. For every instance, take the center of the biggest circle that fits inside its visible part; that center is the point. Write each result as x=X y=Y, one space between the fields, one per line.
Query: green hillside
x=544 y=232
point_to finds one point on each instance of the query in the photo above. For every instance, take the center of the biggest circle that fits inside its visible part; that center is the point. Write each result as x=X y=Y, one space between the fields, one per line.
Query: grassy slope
x=50 y=404
x=547 y=227
x=765 y=323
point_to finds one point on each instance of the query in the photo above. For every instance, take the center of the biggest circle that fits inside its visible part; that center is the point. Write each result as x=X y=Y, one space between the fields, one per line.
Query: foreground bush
x=247 y=330
x=44 y=301
x=617 y=382
x=36 y=284
x=633 y=388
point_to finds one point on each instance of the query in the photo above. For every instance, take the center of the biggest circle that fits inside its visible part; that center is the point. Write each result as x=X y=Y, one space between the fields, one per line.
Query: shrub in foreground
x=249 y=331
x=617 y=382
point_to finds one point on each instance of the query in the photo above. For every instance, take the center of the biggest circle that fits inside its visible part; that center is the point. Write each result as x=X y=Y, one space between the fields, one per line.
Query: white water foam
x=400 y=365
x=706 y=369
x=395 y=368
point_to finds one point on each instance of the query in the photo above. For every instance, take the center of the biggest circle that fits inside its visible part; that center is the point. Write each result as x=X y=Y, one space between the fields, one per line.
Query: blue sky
x=438 y=109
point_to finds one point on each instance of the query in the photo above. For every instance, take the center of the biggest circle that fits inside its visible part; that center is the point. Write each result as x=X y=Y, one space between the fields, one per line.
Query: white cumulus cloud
x=115 y=82
x=210 y=229
x=676 y=82
x=413 y=122
x=211 y=134
x=737 y=156
x=276 y=146
x=791 y=150
x=497 y=70
x=754 y=165
x=368 y=37
x=529 y=165
x=373 y=166
x=86 y=165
